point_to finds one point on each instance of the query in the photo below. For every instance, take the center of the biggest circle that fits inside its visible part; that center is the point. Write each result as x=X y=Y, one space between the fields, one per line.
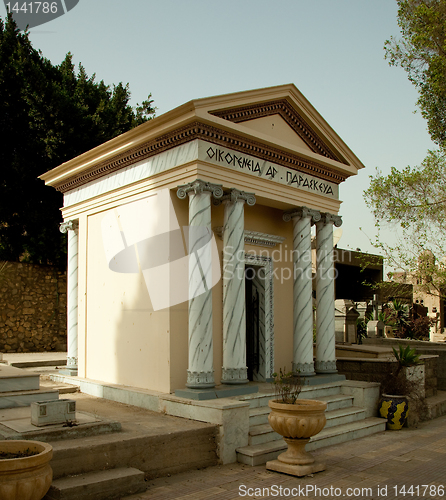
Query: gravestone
x=351 y=330
x=345 y=321
x=375 y=329
x=361 y=307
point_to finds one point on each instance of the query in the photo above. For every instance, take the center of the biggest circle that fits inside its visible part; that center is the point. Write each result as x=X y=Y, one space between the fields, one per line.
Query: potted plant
x=296 y=420
x=397 y=389
x=25 y=472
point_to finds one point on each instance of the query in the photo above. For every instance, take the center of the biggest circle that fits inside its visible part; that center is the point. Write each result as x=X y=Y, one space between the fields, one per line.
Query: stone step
x=25 y=398
x=15 y=379
x=258 y=415
x=344 y=416
x=260 y=399
x=261 y=453
x=436 y=405
x=256 y=400
x=101 y=485
x=337 y=401
x=59 y=386
x=263 y=433
x=318 y=391
x=347 y=432
x=156 y=454
x=334 y=400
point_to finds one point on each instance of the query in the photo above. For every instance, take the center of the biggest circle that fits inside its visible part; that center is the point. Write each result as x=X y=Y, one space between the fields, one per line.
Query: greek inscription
x=293 y=178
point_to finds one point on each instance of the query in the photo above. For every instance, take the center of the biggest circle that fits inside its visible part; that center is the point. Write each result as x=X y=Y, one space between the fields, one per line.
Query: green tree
x=412 y=201
x=422 y=53
x=48 y=115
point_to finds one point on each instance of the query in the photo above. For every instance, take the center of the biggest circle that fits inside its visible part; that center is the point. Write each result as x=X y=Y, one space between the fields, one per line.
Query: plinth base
x=295 y=470
x=71 y=372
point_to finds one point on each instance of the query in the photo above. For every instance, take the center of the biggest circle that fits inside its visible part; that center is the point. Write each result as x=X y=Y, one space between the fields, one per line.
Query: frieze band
x=207 y=133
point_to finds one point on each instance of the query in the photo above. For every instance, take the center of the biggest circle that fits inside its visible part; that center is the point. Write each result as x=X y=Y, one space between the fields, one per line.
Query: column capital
x=302 y=212
x=234 y=195
x=334 y=219
x=69 y=225
x=199 y=186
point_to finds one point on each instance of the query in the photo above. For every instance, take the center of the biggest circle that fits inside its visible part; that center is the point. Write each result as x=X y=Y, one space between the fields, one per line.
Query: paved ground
x=405 y=464
x=375 y=467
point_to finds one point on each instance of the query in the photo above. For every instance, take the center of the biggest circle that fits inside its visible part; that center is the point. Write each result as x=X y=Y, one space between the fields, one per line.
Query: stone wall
x=422 y=347
x=32 y=308
x=376 y=370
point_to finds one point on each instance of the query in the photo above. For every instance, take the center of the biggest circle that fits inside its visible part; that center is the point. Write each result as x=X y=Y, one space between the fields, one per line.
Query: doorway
x=259 y=318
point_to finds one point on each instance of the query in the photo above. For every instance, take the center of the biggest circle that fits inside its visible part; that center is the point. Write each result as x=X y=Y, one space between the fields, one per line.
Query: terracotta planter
x=26 y=478
x=395 y=409
x=297 y=423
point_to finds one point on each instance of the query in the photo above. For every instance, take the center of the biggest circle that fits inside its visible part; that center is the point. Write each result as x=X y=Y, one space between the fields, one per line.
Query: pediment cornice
x=283 y=108
x=209 y=133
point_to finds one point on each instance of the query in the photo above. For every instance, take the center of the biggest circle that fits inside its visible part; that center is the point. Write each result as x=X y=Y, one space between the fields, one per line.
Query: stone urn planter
x=26 y=478
x=297 y=423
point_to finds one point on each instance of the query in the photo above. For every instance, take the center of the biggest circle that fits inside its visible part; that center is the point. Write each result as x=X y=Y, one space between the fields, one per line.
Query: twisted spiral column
x=325 y=296
x=200 y=373
x=302 y=218
x=234 y=369
x=71 y=227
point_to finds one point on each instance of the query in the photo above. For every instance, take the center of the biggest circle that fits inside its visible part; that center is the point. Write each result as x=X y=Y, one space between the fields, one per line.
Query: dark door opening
x=253 y=334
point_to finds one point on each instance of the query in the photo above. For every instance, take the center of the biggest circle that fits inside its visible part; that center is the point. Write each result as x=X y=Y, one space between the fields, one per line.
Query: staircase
x=21 y=388
x=346 y=420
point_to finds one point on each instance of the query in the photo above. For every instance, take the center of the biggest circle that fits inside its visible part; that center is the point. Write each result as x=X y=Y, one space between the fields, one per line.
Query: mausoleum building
x=189 y=244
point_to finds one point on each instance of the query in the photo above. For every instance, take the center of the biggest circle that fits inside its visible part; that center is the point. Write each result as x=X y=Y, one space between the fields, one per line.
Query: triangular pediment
x=279 y=120
x=275 y=124
x=276 y=127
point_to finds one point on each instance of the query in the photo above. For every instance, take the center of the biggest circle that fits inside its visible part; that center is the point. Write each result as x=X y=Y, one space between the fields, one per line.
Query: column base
x=304 y=369
x=200 y=380
x=326 y=367
x=72 y=372
x=234 y=375
x=71 y=368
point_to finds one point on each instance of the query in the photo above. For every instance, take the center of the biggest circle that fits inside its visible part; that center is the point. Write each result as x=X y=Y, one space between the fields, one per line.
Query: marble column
x=234 y=369
x=302 y=218
x=325 y=294
x=200 y=373
x=71 y=227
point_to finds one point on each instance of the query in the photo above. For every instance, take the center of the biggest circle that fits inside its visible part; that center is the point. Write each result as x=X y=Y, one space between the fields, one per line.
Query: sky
x=332 y=50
